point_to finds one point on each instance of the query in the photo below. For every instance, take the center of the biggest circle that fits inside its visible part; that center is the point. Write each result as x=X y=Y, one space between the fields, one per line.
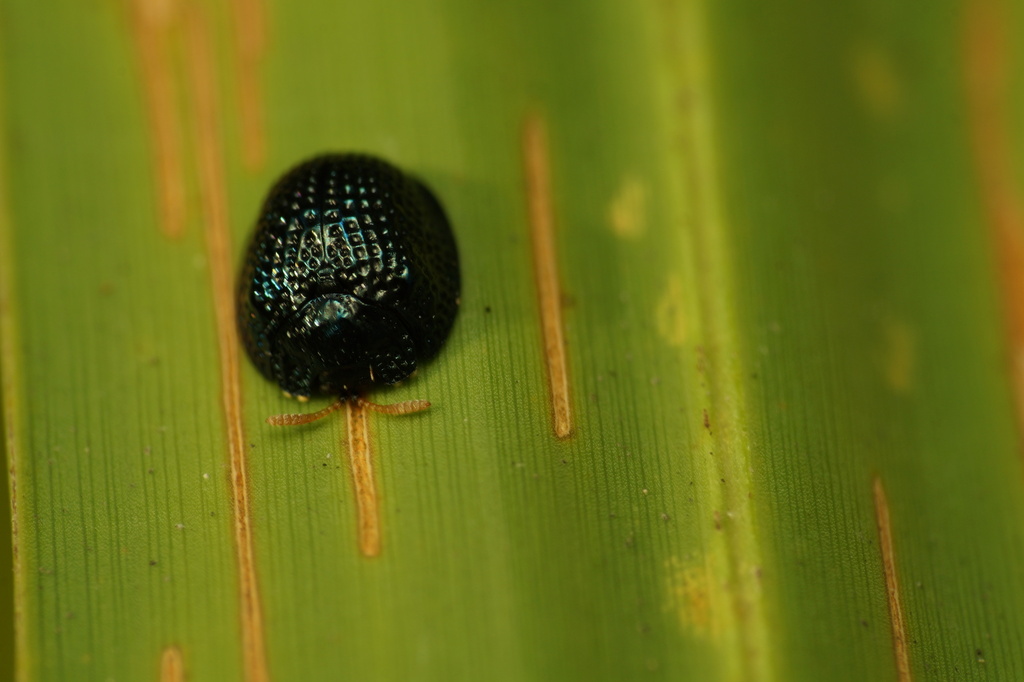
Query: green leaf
x=784 y=242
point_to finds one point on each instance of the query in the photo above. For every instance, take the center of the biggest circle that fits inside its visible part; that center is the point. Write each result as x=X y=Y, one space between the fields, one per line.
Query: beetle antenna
x=298 y=419
x=405 y=407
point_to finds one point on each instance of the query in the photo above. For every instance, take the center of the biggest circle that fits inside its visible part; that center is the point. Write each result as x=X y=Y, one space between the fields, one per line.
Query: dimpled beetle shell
x=351 y=279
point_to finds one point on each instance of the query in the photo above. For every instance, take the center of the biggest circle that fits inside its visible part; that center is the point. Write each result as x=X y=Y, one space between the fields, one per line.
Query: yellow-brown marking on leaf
x=669 y=318
x=360 y=459
x=876 y=81
x=536 y=164
x=987 y=73
x=900 y=356
x=153 y=22
x=689 y=596
x=172 y=665
x=209 y=155
x=627 y=213
x=899 y=632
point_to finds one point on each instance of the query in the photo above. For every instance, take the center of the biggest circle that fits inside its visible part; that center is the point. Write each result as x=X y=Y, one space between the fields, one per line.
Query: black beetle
x=351 y=279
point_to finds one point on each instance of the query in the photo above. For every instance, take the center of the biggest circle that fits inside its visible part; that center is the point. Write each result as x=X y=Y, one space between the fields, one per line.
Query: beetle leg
x=404 y=407
x=297 y=419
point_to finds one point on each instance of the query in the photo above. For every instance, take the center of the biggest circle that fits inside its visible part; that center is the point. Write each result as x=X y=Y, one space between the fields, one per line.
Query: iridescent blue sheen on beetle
x=351 y=279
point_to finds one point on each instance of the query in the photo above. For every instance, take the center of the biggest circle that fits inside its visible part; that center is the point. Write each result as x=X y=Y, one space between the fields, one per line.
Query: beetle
x=351 y=281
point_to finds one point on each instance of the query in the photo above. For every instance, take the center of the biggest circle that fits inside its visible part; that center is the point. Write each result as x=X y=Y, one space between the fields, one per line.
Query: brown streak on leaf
x=986 y=66
x=152 y=25
x=10 y=412
x=899 y=632
x=536 y=164
x=250 y=46
x=361 y=460
x=209 y=146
